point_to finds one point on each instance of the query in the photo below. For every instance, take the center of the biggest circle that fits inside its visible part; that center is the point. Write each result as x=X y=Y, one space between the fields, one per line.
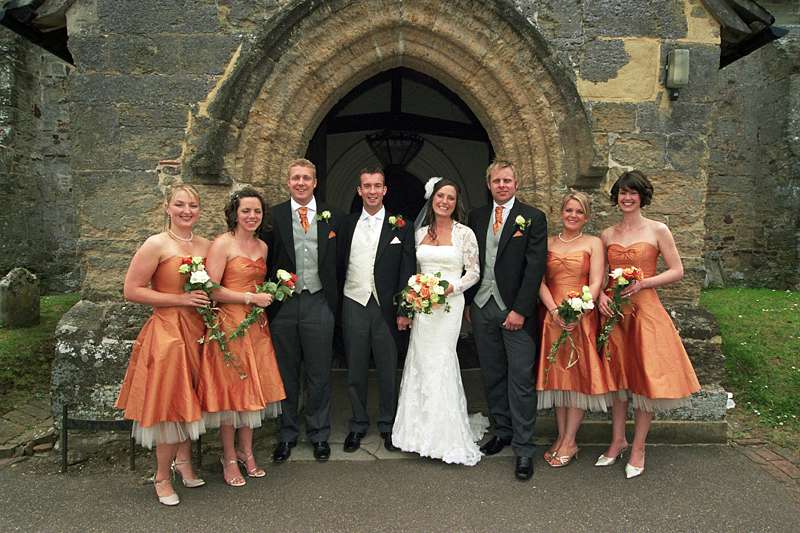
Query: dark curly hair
x=232 y=207
x=634 y=180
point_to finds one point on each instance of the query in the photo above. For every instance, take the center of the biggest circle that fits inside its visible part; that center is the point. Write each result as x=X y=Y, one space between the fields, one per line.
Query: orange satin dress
x=158 y=392
x=585 y=384
x=647 y=357
x=225 y=396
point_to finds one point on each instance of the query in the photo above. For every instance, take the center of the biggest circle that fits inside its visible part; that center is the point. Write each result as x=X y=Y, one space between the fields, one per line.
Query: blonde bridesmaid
x=648 y=362
x=158 y=392
x=577 y=380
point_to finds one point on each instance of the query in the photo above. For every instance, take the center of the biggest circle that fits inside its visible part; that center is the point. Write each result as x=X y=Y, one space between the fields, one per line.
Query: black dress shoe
x=283 y=450
x=524 y=470
x=495 y=445
x=353 y=441
x=387 y=442
x=322 y=452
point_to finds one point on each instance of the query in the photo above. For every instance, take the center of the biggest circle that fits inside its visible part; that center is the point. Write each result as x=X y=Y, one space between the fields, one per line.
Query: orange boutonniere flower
x=331 y=234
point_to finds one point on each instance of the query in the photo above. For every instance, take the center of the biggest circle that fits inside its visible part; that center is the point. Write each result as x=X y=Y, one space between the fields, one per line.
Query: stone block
x=19 y=299
x=613 y=117
x=156 y=16
x=641 y=151
x=663 y=19
x=602 y=59
x=686 y=152
x=93 y=345
x=96 y=88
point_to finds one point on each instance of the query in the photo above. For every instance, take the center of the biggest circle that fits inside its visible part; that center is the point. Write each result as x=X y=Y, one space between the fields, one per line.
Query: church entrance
x=412 y=126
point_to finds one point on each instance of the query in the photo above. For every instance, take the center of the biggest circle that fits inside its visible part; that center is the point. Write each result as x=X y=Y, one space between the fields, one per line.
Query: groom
x=512 y=238
x=303 y=241
x=376 y=259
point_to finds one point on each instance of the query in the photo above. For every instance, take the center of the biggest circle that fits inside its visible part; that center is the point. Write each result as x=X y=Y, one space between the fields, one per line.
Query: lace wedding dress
x=432 y=415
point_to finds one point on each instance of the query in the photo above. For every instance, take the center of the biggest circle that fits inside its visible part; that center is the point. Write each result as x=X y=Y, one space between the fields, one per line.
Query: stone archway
x=279 y=86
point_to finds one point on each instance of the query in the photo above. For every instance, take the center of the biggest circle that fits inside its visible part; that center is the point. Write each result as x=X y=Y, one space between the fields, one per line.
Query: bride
x=432 y=409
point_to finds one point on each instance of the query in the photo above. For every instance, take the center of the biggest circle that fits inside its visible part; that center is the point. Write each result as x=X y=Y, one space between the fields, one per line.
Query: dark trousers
x=365 y=332
x=508 y=361
x=302 y=332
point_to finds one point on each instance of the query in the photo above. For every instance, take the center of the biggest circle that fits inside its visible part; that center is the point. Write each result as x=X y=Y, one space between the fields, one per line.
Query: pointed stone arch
x=281 y=83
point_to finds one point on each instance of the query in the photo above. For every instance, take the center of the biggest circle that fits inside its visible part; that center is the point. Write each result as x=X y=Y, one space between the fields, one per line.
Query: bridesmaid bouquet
x=200 y=280
x=282 y=288
x=423 y=293
x=570 y=310
x=620 y=278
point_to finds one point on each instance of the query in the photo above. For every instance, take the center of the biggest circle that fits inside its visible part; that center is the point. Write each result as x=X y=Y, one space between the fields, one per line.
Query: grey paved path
x=689 y=488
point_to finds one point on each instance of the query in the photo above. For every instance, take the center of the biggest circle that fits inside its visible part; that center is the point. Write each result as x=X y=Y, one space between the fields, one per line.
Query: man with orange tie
x=512 y=239
x=303 y=241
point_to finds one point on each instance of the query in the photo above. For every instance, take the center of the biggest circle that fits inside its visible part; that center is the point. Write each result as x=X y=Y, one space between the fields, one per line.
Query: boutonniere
x=522 y=223
x=397 y=222
x=324 y=215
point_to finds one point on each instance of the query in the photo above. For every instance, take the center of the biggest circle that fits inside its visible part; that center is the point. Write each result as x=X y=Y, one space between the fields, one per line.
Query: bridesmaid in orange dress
x=236 y=397
x=158 y=392
x=648 y=362
x=577 y=380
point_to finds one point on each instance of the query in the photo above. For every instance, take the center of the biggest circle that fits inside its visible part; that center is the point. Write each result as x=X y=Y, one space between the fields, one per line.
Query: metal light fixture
x=395 y=148
x=677 y=72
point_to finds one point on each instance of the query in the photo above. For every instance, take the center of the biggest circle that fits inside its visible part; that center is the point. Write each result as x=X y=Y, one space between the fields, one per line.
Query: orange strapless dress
x=225 y=397
x=648 y=359
x=158 y=392
x=585 y=384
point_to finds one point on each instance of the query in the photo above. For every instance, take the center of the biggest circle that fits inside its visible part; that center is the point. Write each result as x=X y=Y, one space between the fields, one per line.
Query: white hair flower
x=429 y=186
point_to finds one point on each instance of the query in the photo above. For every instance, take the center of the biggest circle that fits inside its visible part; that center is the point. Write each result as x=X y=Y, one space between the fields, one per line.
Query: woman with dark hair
x=432 y=415
x=158 y=392
x=237 y=394
x=648 y=363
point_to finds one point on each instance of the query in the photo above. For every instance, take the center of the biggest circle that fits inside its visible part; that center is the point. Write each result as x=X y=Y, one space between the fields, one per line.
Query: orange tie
x=498 y=219
x=303 y=211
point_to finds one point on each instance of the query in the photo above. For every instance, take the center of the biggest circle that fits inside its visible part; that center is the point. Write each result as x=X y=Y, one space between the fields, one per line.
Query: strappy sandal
x=237 y=481
x=170 y=499
x=251 y=472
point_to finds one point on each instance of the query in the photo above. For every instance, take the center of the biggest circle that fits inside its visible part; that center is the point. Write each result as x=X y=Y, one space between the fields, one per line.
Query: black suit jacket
x=281 y=250
x=521 y=259
x=394 y=263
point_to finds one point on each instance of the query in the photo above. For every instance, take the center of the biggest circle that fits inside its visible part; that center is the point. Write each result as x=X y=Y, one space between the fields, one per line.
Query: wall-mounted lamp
x=677 y=71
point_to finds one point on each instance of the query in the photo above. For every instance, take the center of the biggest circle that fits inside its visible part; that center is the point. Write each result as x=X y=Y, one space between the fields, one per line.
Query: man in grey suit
x=303 y=240
x=512 y=239
x=376 y=259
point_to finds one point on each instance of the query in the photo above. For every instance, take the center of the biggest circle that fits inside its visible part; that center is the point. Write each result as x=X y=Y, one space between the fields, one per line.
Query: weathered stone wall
x=753 y=209
x=38 y=222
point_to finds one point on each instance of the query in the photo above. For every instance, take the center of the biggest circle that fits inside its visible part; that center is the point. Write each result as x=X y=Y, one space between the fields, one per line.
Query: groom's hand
x=466 y=314
x=403 y=323
x=514 y=321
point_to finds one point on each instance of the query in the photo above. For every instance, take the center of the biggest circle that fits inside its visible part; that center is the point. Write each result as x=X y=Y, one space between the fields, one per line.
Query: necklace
x=575 y=238
x=179 y=238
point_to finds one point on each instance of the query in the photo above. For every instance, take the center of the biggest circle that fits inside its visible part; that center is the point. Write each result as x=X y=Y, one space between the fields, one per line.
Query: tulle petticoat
x=651 y=405
x=166 y=432
x=238 y=419
x=568 y=398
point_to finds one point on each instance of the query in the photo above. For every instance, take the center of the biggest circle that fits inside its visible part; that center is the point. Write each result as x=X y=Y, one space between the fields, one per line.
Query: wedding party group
x=243 y=324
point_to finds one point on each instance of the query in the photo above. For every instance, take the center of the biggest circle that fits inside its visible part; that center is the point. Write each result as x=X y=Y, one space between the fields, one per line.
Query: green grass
x=761 y=342
x=26 y=354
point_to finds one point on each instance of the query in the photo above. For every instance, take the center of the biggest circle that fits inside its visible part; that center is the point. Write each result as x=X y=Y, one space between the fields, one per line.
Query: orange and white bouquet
x=570 y=311
x=422 y=294
x=620 y=279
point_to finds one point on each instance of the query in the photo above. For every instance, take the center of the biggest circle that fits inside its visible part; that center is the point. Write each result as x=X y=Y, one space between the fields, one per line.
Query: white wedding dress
x=432 y=415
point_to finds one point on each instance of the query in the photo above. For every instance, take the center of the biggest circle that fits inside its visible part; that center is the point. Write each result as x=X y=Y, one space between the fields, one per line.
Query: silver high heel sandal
x=169 y=500
x=633 y=471
x=608 y=461
x=188 y=483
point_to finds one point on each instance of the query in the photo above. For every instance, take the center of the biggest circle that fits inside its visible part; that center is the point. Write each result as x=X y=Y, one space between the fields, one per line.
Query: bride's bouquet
x=620 y=278
x=282 y=288
x=423 y=294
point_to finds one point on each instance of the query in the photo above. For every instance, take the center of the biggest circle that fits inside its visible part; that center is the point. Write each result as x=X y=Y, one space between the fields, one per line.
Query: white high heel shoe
x=171 y=499
x=189 y=483
x=608 y=461
x=633 y=471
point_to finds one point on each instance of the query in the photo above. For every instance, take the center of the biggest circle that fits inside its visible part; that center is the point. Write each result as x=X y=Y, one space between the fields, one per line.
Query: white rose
x=576 y=304
x=199 y=277
x=438 y=289
x=283 y=275
x=417 y=287
x=588 y=305
x=520 y=219
x=617 y=272
x=412 y=280
x=197 y=260
x=183 y=269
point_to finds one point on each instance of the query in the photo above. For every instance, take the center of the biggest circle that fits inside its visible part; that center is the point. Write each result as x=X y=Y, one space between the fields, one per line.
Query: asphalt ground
x=684 y=488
